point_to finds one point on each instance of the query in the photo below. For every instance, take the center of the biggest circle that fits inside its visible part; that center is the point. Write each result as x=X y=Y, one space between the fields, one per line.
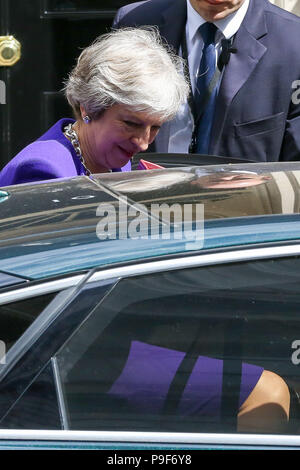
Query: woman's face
x=113 y=139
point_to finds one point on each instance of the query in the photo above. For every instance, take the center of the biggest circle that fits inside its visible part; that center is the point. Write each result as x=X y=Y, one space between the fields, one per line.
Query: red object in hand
x=144 y=165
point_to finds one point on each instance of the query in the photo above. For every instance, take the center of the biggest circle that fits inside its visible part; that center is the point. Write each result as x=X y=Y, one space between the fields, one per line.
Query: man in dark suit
x=257 y=107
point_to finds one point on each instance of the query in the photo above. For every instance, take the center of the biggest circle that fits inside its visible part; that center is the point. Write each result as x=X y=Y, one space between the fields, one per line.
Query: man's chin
x=214 y=11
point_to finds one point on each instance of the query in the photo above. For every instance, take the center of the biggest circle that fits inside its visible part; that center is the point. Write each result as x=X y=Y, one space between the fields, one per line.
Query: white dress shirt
x=181 y=128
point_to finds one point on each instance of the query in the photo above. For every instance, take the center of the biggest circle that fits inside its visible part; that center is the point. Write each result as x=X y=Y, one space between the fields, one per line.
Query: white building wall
x=291 y=5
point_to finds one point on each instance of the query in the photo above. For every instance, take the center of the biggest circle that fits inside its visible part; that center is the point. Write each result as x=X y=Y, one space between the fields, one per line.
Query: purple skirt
x=148 y=373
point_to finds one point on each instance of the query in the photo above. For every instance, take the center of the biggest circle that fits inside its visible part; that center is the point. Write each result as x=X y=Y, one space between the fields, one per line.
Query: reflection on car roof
x=50 y=228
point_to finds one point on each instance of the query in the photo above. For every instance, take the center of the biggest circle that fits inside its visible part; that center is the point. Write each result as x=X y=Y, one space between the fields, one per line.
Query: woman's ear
x=82 y=111
x=84 y=115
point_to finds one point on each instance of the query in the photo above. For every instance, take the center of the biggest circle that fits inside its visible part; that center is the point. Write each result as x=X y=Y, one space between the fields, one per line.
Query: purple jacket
x=51 y=156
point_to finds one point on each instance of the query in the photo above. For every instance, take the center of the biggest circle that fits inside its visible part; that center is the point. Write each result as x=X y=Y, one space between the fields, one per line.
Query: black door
x=49 y=34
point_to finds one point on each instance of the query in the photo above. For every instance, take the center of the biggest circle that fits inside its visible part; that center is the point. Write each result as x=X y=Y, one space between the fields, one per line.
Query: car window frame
x=202 y=260
x=113 y=274
x=23 y=349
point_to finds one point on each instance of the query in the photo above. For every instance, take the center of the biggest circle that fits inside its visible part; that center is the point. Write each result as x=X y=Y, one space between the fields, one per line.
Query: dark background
x=51 y=33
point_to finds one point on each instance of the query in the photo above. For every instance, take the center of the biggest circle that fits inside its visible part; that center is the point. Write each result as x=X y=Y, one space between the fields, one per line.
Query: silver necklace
x=71 y=134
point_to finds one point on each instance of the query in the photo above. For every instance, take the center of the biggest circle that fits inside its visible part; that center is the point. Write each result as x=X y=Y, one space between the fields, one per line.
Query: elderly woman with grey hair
x=123 y=87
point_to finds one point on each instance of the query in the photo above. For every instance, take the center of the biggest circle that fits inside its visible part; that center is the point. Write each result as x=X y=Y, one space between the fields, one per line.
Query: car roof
x=52 y=228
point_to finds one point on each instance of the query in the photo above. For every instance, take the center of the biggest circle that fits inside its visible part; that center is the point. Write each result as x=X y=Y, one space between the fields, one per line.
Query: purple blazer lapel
x=241 y=65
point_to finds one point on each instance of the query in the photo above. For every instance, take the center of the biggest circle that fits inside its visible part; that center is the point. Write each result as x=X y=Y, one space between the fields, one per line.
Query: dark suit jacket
x=256 y=118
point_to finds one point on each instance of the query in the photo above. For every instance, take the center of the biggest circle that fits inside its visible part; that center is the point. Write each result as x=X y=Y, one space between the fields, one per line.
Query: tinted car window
x=176 y=351
x=37 y=407
x=16 y=317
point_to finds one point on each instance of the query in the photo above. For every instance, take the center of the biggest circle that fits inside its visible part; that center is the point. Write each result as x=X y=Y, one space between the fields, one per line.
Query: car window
x=209 y=349
x=16 y=317
x=28 y=391
x=37 y=407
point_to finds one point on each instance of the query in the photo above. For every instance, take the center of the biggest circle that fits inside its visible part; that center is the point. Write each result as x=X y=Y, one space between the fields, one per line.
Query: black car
x=113 y=287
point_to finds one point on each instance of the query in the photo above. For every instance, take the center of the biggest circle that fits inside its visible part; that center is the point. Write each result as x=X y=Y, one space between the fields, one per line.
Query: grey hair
x=132 y=67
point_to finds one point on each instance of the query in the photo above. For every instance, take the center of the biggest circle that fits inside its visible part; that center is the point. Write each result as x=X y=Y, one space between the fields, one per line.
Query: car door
x=136 y=360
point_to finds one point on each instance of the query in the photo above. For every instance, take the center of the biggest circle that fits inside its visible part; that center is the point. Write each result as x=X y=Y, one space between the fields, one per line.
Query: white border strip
x=151 y=437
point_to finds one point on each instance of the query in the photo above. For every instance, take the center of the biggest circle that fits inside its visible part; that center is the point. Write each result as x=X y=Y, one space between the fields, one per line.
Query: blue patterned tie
x=205 y=74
